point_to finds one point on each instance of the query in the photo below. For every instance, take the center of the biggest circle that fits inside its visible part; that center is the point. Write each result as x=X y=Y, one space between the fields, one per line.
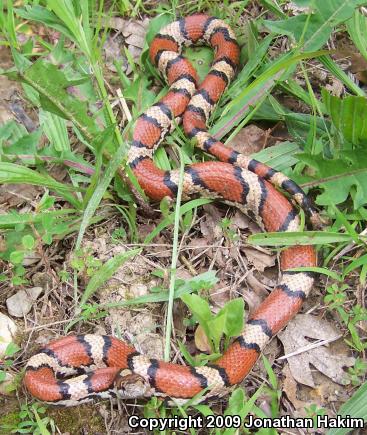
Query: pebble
x=21 y=302
x=8 y=330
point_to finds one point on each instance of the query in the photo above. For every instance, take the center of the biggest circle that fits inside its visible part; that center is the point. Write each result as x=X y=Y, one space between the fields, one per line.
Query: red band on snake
x=76 y=369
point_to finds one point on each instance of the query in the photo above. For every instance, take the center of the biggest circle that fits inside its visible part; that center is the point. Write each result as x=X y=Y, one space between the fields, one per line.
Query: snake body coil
x=76 y=369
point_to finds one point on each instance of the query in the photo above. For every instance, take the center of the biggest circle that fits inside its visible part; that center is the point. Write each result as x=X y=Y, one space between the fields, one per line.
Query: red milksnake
x=76 y=369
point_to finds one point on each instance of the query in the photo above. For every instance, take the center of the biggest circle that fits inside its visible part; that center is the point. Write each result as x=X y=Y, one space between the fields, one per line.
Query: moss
x=11 y=419
x=77 y=420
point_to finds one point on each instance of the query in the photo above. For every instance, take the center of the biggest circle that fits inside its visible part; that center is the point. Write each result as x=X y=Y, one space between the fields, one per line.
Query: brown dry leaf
x=201 y=340
x=336 y=87
x=220 y=294
x=240 y=220
x=116 y=23
x=249 y=140
x=296 y=9
x=114 y=51
x=16 y=194
x=259 y=257
x=135 y=28
x=136 y=40
x=198 y=247
x=210 y=224
x=131 y=34
x=290 y=389
x=179 y=314
x=322 y=358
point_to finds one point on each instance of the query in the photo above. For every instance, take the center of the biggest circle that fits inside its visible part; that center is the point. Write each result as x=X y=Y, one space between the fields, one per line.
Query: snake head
x=129 y=385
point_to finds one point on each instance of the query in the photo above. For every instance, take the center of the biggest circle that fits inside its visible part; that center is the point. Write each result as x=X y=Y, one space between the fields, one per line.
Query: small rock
x=138 y=289
x=8 y=330
x=21 y=302
x=42 y=279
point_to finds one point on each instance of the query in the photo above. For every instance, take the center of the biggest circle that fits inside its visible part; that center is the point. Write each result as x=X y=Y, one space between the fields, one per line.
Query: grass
x=65 y=84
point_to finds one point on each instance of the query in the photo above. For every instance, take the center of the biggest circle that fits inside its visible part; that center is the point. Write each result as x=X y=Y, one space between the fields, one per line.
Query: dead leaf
x=250 y=139
x=259 y=257
x=198 y=247
x=134 y=28
x=331 y=364
x=201 y=340
x=240 y=220
x=136 y=40
x=210 y=224
x=336 y=87
x=113 y=52
x=220 y=294
x=16 y=194
x=290 y=389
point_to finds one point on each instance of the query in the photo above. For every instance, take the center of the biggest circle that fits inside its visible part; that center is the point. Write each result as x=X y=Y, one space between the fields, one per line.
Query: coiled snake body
x=76 y=369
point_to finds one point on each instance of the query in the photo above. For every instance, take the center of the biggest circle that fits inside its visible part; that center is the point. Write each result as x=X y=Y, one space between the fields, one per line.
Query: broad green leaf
x=25 y=145
x=216 y=327
x=199 y=307
x=357 y=29
x=192 y=284
x=46 y=17
x=52 y=84
x=348 y=115
x=337 y=177
x=201 y=59
x=280 y=156
x=55 y=129
x=234 y=316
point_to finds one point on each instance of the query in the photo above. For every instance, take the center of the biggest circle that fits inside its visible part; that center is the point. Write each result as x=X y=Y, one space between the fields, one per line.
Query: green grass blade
x=356 y=407
x=170 y=219
x=100 y=190
x=237 y=109
x=17 y=174
x=298 y=238
x=105 y=272
x=335 y=69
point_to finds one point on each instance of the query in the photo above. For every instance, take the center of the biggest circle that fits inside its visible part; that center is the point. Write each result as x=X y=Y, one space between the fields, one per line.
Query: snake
x=79 y=368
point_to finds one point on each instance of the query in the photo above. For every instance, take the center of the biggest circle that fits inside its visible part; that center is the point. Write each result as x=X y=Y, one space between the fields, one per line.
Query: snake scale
x=77 y=369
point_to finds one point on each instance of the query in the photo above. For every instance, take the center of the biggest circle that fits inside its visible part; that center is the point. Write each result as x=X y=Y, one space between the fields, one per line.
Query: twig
x=309 y=347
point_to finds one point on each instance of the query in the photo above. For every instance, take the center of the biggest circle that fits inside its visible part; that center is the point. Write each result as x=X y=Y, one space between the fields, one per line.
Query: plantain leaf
x=52 y=86
x=348 y=116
